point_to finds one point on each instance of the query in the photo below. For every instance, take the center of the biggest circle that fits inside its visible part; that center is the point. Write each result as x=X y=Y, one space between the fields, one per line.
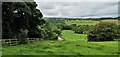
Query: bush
x=78 y=30
x=104 y=31
x=58 y=31
x=22 y=37
x=54 y=36
x=67 y=27
x=49 y=32
x=43 y=33
x=118 y=33
x=73 y=25
x=60 y=26
x=81 y=29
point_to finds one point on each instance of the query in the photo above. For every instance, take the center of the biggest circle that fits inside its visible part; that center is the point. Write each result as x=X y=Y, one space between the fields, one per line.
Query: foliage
x=66 y=27
x=50 y=29
x=48 y=32
x=22 y=37
x=58 y=31
x=55 y=23
x=53 y=36
x=34 y=21
x=81 y=29
x=20 y=15
x=117 y=32
x=104 y=31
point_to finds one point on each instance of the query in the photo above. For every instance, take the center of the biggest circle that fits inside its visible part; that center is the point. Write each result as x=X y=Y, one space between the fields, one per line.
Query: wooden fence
x=11 y=42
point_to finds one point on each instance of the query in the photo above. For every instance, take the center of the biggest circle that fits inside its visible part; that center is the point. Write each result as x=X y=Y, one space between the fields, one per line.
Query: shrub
x=49 y=32
x=67 y=27
x=78 y=30
x=57 y=31
x=73 y=25
x=43 y=33
x=81 y=29
x=104 y=31
x=118 y=33
x=22 y=37
x=52 y=35
x=60 y=26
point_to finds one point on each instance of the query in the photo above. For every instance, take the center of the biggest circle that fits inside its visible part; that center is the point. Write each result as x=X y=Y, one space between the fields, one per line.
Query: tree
x=19 y=16
x=7 y=19
x=35 y=20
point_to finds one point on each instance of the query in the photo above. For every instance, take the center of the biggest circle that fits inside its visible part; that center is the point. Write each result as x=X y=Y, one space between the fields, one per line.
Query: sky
x=78 y=8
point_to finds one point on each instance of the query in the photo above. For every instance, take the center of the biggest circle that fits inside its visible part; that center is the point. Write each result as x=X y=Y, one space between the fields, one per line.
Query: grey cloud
x=79 y=9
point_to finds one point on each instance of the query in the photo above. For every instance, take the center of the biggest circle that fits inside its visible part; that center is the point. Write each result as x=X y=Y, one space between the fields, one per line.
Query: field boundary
x=11 y=42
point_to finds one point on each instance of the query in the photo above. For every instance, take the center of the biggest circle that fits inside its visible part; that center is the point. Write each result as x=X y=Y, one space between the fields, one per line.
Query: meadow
x=90 y=22
x=74 y=44
x=82 y=22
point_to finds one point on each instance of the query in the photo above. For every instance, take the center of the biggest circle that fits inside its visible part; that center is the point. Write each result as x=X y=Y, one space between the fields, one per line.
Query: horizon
x=81 y=17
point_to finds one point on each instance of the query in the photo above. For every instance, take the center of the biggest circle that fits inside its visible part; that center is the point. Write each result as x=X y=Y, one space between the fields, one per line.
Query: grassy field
x=81 y=22
x=89 y=22
x=74 y=44
x=111 y=20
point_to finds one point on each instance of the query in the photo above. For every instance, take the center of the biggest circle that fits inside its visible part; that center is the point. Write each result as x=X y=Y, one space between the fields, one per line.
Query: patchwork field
x=74 y=44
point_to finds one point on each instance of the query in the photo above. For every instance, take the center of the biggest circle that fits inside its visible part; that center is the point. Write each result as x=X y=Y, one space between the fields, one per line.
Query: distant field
x=81 y=22
x=74 y=44
x=111 y=20
x=89 y=22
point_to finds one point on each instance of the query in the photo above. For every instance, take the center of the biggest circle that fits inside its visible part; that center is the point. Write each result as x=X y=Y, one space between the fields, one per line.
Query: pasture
x=74 y=44
x=90 y=22
x=81 y=22
x=111 y=20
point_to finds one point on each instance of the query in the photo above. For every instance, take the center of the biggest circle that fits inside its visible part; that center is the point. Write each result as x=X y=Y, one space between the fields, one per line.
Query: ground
x=74 y=44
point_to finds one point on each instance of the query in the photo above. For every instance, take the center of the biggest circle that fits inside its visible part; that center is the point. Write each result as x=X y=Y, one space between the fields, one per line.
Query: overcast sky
x=81 y=8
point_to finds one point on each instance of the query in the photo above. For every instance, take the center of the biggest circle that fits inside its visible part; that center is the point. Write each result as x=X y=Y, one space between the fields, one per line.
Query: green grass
x=74 y=44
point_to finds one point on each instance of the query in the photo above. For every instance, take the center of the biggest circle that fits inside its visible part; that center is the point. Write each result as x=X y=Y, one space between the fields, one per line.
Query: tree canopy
x=17 y=16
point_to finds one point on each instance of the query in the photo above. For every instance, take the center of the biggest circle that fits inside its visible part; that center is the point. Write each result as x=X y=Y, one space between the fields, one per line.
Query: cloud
x=77 y=0
x=78 y=9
